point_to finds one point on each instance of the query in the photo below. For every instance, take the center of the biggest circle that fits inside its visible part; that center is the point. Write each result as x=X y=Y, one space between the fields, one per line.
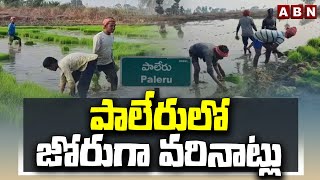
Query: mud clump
x=301 y=71
x=315 y=64
x=292 y=81
x=305 y=65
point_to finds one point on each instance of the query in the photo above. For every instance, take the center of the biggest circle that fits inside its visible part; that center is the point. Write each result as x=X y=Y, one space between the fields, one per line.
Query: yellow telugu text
x=122 y=119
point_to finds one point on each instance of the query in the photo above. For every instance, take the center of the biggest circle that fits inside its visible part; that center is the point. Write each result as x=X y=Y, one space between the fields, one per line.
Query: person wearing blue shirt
x=12 y=32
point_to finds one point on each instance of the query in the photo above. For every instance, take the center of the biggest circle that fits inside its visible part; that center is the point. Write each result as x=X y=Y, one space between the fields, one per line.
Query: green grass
x=312 y=75
x=3 y=32
x=13 y=93
x=315 y=42
x=120 y=48
x=233 y=78
x=70 y=28
x=310 y=78
x=4 y=56
x=133 y=31
x=130 y=31
x=308 y=53
x=29 y=43
x=65 y=49
x=295 y=57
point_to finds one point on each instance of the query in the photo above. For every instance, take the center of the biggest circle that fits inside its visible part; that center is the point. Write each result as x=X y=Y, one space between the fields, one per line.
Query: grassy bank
x=12 y=94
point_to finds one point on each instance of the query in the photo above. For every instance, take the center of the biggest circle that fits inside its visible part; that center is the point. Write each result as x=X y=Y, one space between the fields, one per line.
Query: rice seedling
x=29 y=43
x=65 y=49
x=295 y=57
x=315 y=42
x=308 y=52
x=233 y=78
x=4 y=56
x=12 y=94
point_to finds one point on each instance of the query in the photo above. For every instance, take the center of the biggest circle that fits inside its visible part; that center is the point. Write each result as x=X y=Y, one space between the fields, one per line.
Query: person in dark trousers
x=210 y=54
x=247 y=25
x=270 y=39
x=12 y=32
x=75 y=67
x=270 y=21
x=102 y=46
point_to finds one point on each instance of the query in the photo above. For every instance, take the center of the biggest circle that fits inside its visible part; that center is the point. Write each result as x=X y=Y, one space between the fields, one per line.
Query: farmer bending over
x=210 y=54
x=270 y=39
x=75 y=67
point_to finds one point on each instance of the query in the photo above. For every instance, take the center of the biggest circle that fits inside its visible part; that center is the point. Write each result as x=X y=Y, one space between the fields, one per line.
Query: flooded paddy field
x=26 y=64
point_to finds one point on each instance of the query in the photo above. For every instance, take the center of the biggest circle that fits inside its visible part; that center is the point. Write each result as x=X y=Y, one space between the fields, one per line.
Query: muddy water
x=27 y=64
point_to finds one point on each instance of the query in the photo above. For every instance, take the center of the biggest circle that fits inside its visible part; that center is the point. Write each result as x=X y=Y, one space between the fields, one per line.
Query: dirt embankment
x=73 y=16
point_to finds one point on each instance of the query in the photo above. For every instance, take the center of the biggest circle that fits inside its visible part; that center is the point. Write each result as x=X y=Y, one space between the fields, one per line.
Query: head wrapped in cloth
x=222 y=51
x=291 y=31
x=246 y=13
x=108 y=20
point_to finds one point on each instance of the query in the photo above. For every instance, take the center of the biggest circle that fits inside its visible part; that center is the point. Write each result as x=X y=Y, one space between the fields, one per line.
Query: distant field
x=43 y=34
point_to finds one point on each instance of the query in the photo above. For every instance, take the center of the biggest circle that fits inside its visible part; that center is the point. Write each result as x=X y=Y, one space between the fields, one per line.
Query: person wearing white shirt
x=75 y=67
x=102 y=46
x=270 y=39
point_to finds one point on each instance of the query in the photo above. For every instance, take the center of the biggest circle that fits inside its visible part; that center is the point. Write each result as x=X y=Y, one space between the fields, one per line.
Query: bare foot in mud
x=195 y=87
x=203 y=82
x=96 y=88
x=196 y=90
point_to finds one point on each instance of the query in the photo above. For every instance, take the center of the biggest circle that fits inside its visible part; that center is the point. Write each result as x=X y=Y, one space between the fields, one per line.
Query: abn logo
x=297 y=11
